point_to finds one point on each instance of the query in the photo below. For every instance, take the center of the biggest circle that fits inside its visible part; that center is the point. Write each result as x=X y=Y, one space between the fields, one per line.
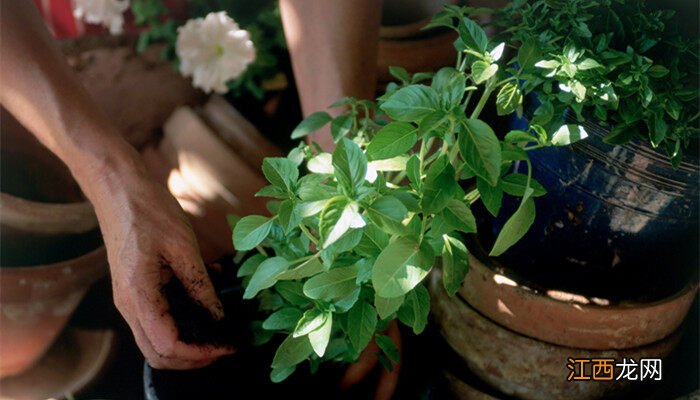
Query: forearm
x=42 y=92
x=333 y=46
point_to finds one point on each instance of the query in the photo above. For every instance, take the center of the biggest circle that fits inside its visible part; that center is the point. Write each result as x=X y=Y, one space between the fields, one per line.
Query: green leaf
x=516 y=227
x=399 y=268
x=250 y=231
x=362 y=322
x=472 y=35
x=288 y=216
x=657 y=71
x=459 y=217
x=292 y=292
x=411 y=103
x=394 y=139
x=483 y=71
x=272 y=191
x=480 y=149
x=388 y=347
x=278 y=375
x=347 y=302
x=588 y=63
x=414 y=311
x=413 y=170
x=431 y=125
x=529 y=53
x=340 y=127
x=311 y=124
x=334 y=284
x=518 y=136
x=291 y=352
x=320 y=337
x=400 y=73
x=568 y=134
x=320 y=164
x=337 y=217
x=250 y=265
x=509 y=99
x=516 y=184
x=397 y=163
x=387 y=213
x=307 y=268
x=350 y=165
x=439 y=186
x=387 y=306
x=548 y=64
x=285 y=318
x=310 y=321
x=455 y=264
x=449 y=84
x=491 y=196
x=373 y=241
x=364 y=274
x=265 y=276
x=281 y=172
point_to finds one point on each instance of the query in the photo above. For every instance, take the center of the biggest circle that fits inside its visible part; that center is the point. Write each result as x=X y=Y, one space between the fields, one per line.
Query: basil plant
x=353 y=233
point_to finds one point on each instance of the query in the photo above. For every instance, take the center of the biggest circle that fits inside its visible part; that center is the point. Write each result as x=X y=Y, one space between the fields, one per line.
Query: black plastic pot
x=618 y=221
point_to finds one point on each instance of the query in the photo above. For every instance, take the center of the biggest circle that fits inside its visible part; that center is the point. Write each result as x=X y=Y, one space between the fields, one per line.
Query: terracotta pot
x=238 y=133
x=50 y=251
x=45 y=217
x=521 y=366
x=419 y=54
x=209 y=180
x=36 y=302
x=137 y=91
x=570 y=319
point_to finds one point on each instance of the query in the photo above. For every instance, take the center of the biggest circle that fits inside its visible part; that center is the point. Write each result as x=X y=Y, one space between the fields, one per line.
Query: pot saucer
x=72 y=363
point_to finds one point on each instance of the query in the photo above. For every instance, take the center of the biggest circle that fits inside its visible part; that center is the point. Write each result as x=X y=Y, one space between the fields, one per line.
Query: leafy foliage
x=618 y=61
x=355 y=232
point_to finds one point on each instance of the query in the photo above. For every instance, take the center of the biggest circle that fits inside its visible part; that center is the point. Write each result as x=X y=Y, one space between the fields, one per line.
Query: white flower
x=108 y=13
x=213 y=50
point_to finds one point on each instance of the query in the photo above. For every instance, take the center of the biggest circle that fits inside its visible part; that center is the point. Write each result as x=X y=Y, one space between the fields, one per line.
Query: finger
x=159 y=327
x=189 y=269
x=158 y=361
x=357 y=371
x=389 y=380
x=154 y=359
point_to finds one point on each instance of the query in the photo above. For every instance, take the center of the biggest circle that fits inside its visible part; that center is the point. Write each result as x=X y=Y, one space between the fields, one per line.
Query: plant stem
x=308 y=234
x=261 y=250
x=482 y=102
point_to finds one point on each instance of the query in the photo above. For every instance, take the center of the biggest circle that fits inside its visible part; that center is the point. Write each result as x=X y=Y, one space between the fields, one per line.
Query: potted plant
x=350 y=241
x=625 y=200
x=591 y=273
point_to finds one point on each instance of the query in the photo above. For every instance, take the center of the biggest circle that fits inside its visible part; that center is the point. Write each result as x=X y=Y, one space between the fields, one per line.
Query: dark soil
x=196 y=324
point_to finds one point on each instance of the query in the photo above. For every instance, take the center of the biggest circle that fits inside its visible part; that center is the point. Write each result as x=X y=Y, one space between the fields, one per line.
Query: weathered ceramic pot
x=570 y=319
x=524 y=367
x=36 y=303
x=209 y=178
x=50 y=252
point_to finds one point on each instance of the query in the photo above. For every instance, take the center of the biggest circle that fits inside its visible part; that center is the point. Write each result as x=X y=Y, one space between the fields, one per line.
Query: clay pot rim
x=491 y=267
x=80 y=262
x=47 y=217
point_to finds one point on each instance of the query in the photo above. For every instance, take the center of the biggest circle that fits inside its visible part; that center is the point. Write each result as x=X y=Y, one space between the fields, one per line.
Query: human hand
x=149 y=242
x=355 y=373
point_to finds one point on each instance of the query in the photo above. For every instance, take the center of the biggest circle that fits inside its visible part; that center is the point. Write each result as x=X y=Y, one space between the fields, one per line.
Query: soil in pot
x=244 y=374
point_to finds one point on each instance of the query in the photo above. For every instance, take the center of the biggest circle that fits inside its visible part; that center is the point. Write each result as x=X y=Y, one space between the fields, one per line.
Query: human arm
x=147 y=236
x=333 y=46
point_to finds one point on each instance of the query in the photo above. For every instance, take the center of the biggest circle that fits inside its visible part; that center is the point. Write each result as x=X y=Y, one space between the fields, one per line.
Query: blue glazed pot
x=617 y=220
